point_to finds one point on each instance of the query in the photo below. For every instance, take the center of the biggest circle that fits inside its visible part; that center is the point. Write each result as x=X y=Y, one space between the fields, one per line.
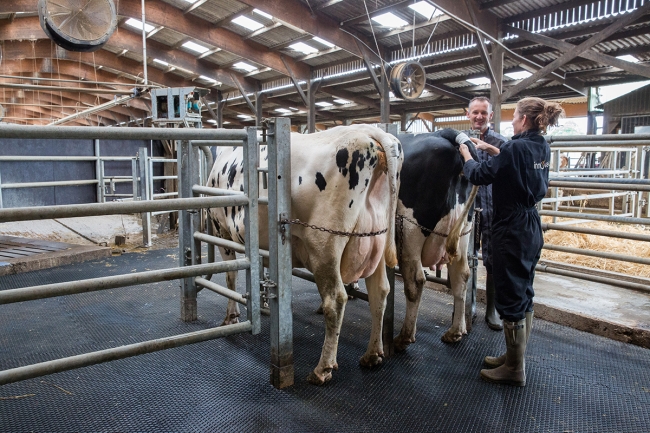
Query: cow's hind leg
x=232 y=311
x=458 y=276
x=413 y=283
x=378 y=288
x=334 y=298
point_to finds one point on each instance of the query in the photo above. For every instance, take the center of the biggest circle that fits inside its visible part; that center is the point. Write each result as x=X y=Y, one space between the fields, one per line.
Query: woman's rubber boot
x=513 y=370
x=491 y=316
x=497 y=361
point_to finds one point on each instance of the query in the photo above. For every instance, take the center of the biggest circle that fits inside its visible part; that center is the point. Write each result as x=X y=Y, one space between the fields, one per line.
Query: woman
x=519 y=178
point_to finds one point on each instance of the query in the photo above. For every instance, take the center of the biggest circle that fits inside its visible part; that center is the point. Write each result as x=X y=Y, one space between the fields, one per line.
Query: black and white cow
x=342 y=179
x=433 y=222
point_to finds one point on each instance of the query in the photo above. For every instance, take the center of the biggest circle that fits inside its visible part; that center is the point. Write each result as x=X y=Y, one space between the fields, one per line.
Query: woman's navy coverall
x=519 y=178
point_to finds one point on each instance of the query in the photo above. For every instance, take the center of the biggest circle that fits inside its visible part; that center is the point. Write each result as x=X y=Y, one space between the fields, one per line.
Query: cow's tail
x=454 y=236
x=394 y=158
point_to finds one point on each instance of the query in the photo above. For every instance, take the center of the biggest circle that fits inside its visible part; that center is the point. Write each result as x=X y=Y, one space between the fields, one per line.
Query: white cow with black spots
x=343 y=179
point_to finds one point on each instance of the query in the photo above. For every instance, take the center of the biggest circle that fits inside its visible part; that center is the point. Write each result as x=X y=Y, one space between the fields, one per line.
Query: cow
x=342 y=179
x=433 y=223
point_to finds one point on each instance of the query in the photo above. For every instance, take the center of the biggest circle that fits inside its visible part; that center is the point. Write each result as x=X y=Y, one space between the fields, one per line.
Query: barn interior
x=413 y=65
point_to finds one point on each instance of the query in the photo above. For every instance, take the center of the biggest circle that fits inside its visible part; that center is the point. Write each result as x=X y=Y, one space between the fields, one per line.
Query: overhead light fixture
x=283 y=110
x=244 y=66
x=426 y=10
x=264 y=14
x=303 y=48
x=628 y=58
x=479 y=81
x=389 y=19
x=193 y=46
x=211 y=121
x=323 y=41
x=324 y=104
x=161 y=62
x=243 y=116
x=342 y=101
x=520 y=75
x=138 y=25
x=248 y=23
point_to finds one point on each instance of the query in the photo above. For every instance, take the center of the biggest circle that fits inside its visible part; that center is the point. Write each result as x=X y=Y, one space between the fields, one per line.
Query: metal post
x=1 y=192
x=143 y=188
x=251 y=222
x=279 y=152
x=188 y=221
x=384 y=107
x=98 y=173
x=472 y=261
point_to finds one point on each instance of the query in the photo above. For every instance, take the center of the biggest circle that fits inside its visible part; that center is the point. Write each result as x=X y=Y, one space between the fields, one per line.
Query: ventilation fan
x=78 y=25
x=408 y=79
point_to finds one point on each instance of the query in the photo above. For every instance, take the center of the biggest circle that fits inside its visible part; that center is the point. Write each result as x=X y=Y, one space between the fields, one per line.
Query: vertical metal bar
x=1 y=206
x=384 y=107
x=554 y=191
x=134 y=173
x=185 y=231
x=252 y=224
x=472 y=260
x=282 y=370
x=143 y=168
x=98 y=175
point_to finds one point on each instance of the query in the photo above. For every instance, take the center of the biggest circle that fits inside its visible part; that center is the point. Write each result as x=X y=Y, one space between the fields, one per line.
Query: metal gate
x=190 y=265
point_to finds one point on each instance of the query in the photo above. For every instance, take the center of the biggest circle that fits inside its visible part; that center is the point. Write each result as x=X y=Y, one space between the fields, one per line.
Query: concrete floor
x=613 y=312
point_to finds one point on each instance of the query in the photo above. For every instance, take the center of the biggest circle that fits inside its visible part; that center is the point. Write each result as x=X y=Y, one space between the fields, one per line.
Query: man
x=479 y=113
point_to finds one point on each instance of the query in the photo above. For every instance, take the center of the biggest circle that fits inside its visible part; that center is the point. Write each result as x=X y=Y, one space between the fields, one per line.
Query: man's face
x=479 y=115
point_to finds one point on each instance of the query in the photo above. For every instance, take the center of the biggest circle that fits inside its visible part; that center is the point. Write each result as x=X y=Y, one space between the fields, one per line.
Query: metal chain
x=442 y=235
x=334 y=232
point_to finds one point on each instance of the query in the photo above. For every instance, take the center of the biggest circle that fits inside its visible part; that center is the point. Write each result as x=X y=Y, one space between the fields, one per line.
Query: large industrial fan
x=78 y=25
x=408 y=80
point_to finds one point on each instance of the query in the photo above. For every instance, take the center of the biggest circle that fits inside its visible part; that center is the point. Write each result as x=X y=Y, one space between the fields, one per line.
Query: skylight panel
x=628 y=58
x=264 y=14
x=244 y=66
x=138 y=25
x=324 y=104
x=389 y=20
x=193 y=46
x=303 y=48
x=518 y=75
x=323 y=41
x=191 y=1
x=203 y=77
x=248 y=23
x=243 y=116
x=211 y=121
x=161 y=62
x=283 y=110
x=342 y=101
x=479 y=81
x=426 y=10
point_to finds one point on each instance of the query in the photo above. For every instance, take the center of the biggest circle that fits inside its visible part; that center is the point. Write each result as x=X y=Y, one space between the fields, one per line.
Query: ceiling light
x=520 y=75
x=323 y=41
x=211 y=121
x=193 y=46
x=264 y=14
x=342 y=101
x=245 y=66
x=243 y=116
x=303 y=47
x=426 y=10
x=324 y=104
x=283 y=110
x=138 y=25
x=628 y=58
x=479 y=81
x=248 y=23
x=390 y=20
x=161 y=62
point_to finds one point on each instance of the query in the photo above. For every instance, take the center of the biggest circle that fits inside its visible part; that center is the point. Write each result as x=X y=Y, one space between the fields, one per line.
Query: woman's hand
x=482 y=145
x=464 y=152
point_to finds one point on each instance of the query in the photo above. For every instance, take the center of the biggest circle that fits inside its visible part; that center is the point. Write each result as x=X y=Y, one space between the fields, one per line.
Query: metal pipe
x=48 y=158
x=92 y=358
x=115 y=281
x=224 y=291
x=95 y=109
x=600 y=254
x=596 y=138
x=595 y=144
x=64 y=89
x=91 y=132
x=597 y=279
x=595 y=185
x=117 y=208
x=582 y=197
x=595 y=217
x=221 y=242
x=304 y=274
x=144 y=47
x=431 y=278
x=233 y=143
x=601 y=180
x=54 y=183
x=215 y=192
x=61 y=80
x=597 y=232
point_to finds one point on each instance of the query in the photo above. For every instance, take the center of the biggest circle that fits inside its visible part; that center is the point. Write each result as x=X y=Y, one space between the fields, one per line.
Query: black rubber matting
x=577 y=382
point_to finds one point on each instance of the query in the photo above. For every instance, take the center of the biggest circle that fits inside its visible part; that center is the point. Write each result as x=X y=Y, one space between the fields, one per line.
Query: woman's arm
x=482 y=145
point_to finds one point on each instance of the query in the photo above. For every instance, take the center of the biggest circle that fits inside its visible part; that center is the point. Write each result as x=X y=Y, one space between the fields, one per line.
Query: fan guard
x=408 y=80
x=78 y=25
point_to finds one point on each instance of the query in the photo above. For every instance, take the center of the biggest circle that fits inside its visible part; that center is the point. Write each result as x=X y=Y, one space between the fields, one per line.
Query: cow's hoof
x=451 y=337
x=400 y=343
x=319 y=380
x=369 y=361
x=231 y=320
